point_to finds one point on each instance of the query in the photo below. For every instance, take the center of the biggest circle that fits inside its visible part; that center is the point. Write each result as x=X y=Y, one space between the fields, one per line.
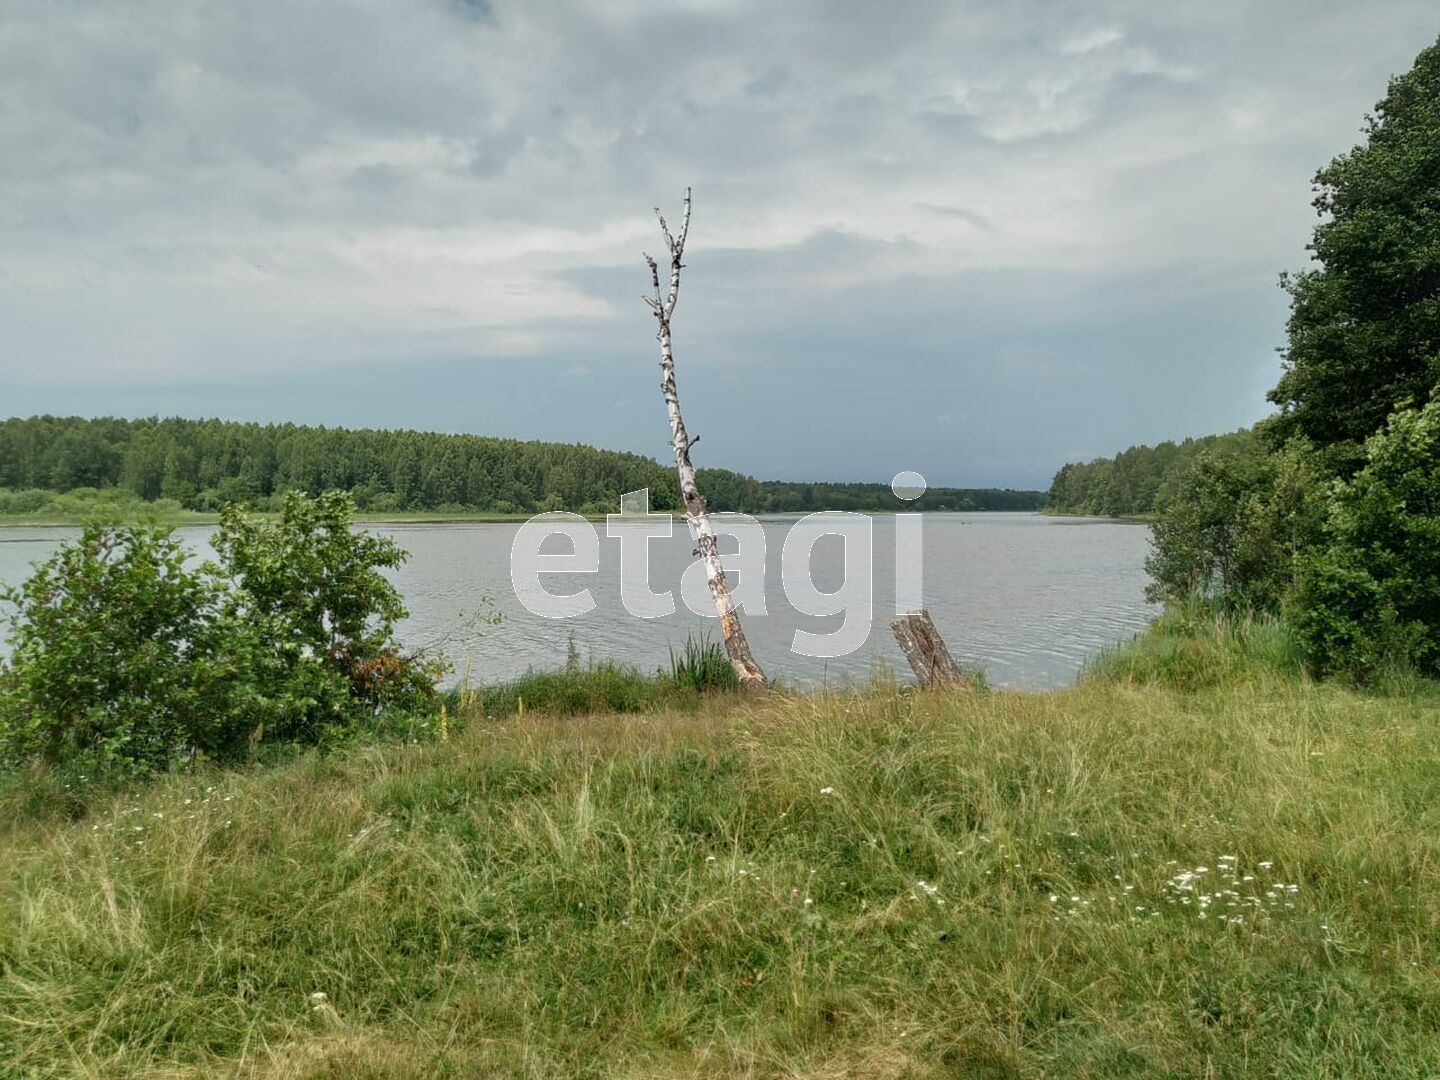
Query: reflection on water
x=1025 y=596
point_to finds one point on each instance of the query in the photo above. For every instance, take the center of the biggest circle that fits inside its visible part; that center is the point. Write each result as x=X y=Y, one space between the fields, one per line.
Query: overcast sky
x=973 y=239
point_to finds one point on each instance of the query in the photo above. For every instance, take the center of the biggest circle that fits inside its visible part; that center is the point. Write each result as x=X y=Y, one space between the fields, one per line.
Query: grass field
x=1240 y=878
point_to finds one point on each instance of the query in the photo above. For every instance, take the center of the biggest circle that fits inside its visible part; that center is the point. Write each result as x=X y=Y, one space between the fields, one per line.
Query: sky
x=975 y=240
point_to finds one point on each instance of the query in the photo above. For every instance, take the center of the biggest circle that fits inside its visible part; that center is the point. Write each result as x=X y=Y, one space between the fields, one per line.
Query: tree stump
x=925 y=649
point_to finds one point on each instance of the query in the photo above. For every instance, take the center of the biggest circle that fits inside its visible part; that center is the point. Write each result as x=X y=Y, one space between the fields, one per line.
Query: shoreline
x=434 y=517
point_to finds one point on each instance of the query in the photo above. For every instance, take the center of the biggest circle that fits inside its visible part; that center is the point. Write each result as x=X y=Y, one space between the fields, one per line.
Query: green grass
x=1193 y=647
x=702 y=666
x=601 y=687
x=698 y=672
x=885 y=884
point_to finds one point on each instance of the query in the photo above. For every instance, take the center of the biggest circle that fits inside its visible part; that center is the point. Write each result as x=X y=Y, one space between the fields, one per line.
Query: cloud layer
x=973 y=239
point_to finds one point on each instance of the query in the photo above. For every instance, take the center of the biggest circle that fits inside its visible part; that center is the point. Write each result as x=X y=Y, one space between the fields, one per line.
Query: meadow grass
x=1120 y=879
x=698 y=672
x=1193 y=646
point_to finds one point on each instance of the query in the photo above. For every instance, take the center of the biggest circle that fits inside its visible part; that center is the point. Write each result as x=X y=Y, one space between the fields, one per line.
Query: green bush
x=325 y=616
x=1233 y=528
x=1369 y=598
x=123 y=659
x=326 y=612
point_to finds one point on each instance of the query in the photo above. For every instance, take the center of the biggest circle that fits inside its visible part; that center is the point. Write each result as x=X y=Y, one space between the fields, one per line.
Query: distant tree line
x=1130 y=484
x=206 y=464
x=789 y=497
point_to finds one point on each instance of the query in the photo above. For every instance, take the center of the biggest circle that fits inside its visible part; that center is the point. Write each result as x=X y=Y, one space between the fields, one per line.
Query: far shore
x=421 y=517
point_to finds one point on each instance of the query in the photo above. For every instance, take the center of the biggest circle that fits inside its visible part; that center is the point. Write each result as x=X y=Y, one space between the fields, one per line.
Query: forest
x=204 y=464
x=1131 y=483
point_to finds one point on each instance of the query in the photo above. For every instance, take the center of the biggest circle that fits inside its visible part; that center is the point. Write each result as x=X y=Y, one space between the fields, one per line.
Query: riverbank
x=1129 y=519
x=139 y=513
x=1151 y=873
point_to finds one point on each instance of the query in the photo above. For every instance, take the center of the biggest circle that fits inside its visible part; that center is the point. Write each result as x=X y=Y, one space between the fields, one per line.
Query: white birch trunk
x=706 y=545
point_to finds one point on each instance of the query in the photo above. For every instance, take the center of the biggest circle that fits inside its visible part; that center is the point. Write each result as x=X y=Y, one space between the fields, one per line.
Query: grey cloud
x=1021 y=206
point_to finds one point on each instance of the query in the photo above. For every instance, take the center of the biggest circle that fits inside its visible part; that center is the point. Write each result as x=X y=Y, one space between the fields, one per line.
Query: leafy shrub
x=124 y=659
x=314 y=588
x=121 y=657
x=1234 y=527
x=83 y=502
x=1369 y=598
x=29 y=501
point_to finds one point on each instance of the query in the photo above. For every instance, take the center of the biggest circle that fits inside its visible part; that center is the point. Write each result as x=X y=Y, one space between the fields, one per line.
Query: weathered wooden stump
x=925 y=649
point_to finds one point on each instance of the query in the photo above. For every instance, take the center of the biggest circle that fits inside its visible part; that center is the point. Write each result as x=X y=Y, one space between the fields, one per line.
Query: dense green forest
x=1131 y=483
x=204 y=464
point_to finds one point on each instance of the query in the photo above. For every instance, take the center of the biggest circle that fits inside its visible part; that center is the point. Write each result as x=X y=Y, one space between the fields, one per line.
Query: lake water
x=1025 y=596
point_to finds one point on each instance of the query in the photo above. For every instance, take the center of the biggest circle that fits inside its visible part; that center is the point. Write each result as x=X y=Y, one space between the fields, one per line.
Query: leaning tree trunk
x=706 y=545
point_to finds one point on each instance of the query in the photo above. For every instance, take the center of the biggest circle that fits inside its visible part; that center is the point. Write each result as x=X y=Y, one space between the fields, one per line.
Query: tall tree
x=1364 y=330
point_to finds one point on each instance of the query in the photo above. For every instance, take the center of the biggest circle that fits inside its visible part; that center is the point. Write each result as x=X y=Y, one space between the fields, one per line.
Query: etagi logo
x=635 y=526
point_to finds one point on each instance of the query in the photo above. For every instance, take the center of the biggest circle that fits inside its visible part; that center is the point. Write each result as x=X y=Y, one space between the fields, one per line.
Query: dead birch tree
x=707 y=547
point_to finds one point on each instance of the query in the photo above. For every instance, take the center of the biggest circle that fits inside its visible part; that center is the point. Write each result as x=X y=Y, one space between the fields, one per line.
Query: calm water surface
x=1027 y=597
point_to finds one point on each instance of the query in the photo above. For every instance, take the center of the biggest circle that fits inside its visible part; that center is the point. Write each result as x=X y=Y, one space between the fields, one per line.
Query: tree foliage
x=1364 y=330
x=1233 y=525
x=1131 y=483
x=1370 y=594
